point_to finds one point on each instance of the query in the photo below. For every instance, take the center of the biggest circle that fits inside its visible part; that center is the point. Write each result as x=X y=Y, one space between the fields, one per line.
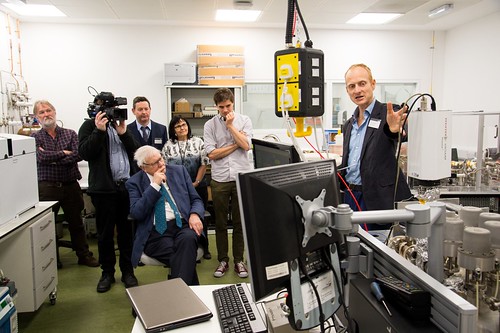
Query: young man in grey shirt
x=227 y=141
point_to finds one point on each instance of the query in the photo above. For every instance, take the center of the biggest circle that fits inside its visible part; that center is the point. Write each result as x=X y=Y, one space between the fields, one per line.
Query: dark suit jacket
x=158 y=132
x=143 y=198
x=378 y=162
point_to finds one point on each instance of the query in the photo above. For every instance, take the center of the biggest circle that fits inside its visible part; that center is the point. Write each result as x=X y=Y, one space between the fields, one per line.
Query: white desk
x=212 y=325
x=28 y=255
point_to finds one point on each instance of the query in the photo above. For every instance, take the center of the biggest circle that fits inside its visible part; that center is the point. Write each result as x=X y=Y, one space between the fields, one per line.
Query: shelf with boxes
x=196 y=104
x=221 y=65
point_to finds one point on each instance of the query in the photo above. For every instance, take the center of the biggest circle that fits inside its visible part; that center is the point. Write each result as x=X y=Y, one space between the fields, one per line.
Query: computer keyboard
x=236 y=310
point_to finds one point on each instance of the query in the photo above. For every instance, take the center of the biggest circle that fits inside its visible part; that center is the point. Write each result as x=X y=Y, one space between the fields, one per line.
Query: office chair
x=59 y=235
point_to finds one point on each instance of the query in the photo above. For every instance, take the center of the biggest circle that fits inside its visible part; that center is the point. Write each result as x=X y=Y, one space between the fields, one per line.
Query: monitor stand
x=305 y=313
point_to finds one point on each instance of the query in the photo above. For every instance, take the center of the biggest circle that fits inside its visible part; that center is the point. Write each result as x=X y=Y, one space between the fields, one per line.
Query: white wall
x=472 y=72
x=61 y=60
x=459 y=67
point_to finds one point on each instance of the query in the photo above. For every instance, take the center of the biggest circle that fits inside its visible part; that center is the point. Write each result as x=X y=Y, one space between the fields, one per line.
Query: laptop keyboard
x=236 y=310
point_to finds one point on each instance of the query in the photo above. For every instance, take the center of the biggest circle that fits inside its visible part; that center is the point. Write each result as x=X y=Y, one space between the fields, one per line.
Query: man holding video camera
x=109 y=148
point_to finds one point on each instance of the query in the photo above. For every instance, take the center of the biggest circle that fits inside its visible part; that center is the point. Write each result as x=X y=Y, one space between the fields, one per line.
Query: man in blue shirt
x=370 y=140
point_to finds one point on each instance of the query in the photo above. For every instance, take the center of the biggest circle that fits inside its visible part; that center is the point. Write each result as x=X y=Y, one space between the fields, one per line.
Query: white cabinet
x=197 y=95
x=28 y=257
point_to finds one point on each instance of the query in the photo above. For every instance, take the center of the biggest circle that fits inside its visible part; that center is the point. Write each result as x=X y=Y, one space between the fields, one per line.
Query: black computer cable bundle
x=339 y=289
x=318 y=299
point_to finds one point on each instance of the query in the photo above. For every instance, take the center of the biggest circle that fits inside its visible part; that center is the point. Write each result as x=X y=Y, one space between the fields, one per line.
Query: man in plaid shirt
x=58 y=175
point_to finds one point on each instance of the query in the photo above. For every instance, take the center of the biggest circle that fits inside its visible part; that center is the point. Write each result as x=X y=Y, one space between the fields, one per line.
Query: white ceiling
x=328 y=14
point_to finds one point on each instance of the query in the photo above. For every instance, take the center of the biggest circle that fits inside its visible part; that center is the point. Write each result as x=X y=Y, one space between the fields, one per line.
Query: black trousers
x=111 y=210
x=202 y=191
x=70 y=198
x=177 y=249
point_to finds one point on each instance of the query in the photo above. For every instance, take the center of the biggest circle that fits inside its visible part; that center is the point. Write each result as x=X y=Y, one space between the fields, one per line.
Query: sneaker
x=241 y=269
x=221 y=269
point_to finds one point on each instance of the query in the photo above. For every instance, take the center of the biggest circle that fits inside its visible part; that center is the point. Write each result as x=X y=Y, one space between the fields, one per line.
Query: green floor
x=79 y=308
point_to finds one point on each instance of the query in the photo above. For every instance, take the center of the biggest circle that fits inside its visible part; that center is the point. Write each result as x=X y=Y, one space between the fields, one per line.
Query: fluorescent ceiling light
x=34 y=10
x=440 y=10
x=235 y=15
x=373 y=18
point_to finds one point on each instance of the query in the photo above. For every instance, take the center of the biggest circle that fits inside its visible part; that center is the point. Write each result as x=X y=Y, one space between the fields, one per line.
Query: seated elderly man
x=168 y=213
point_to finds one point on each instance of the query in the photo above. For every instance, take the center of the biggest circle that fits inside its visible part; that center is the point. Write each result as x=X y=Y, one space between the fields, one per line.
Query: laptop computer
x=167 y=305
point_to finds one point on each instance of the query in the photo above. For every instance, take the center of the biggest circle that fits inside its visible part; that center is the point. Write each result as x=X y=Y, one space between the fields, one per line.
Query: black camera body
x=108 y=103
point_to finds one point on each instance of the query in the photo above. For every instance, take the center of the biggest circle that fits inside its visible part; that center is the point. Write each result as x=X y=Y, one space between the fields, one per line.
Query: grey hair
x=143 y=153
x=42 y=102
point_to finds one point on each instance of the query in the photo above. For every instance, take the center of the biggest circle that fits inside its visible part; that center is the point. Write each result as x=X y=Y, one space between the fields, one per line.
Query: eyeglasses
x=180 y=126
x=154 y=163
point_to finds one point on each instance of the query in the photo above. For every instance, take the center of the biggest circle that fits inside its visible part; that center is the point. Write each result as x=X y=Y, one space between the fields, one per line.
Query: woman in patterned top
x=183 y=148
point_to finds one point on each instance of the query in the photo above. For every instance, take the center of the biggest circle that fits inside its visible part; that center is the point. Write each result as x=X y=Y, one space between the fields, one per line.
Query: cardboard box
x=184 y=114
x=198 y=114
x=225 y=50
x=222 y=81
x=182 y=105
x=236 y=70
x=217 y=55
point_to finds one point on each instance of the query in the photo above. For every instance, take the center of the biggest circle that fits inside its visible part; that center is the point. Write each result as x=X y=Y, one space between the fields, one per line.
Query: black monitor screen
x=268 y=153
x=272 y=218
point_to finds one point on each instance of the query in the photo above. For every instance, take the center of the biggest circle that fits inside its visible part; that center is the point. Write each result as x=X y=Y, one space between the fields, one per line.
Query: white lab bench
x=28 y=255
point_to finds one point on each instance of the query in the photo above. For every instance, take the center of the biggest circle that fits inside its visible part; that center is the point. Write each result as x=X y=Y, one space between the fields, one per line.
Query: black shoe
x=105 y=283
x=207 y=255
x=129 y=280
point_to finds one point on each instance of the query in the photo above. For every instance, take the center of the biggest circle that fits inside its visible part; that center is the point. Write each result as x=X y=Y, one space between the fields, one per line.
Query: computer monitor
x=269 y=153
x=271 y=201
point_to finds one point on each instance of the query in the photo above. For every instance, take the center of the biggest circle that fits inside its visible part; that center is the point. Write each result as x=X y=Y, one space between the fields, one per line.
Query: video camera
x=108 y=103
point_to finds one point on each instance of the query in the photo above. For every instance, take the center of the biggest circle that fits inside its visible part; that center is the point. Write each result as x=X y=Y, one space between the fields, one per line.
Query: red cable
x=340 y=177
x=353 y=197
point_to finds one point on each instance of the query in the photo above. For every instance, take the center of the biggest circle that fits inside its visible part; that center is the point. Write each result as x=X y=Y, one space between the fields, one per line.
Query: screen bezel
x=272 y=218
x=259 y=147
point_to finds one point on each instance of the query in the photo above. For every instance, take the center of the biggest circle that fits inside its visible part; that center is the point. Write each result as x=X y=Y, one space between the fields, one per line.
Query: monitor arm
x=422 y=221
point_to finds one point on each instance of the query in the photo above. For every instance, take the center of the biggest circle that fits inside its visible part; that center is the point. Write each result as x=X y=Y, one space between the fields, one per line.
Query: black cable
x=339 y=289
x=289 y=22
x=399 y=144
x=308 y=42
x=318 y=299
x=433 y=102
x=96 y=92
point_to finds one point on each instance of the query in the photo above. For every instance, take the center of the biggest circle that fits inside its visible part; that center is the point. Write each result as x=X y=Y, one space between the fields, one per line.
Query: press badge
x=374 y=123
x=157 y=141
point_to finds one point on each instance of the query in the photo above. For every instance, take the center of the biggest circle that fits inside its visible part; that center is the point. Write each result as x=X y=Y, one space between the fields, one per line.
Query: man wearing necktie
x=144 y=130
x=168 y=213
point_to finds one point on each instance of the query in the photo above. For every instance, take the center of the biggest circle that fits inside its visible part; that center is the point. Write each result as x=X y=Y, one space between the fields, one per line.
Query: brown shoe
x=89 y=261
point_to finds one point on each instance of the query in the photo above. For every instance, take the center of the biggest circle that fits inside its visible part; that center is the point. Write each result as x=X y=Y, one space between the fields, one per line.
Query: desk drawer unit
x=44 y=258
x=28 y=257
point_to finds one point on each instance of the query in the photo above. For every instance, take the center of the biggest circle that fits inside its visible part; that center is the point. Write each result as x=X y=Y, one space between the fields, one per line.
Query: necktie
x=160 y=217
x=144 y=131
